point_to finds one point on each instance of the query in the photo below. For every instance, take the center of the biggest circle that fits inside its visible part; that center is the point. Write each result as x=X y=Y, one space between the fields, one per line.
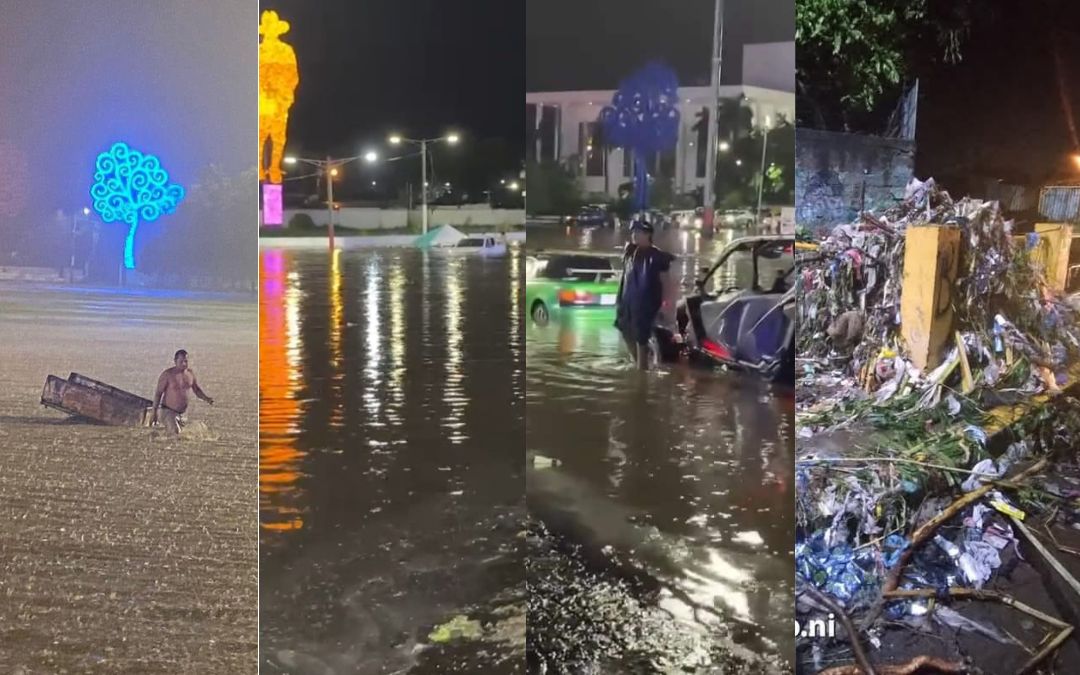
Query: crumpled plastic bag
x=982 y=472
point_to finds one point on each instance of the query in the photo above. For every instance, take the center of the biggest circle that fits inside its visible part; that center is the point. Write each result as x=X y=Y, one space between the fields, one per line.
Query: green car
x=570 y=282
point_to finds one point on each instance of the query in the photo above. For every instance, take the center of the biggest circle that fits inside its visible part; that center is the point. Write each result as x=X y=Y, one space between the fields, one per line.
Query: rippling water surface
x=661 y=503
x=391 y=476
x=122 y=550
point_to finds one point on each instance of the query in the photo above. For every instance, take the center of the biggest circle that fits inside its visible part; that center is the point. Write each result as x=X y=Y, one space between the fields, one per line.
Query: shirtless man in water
x=172 y=393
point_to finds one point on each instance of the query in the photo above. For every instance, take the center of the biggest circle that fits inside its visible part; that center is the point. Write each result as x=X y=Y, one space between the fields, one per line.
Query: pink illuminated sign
x=272 y=210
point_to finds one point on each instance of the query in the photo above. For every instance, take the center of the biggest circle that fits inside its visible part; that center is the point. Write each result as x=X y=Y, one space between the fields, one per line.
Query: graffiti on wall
x=821 y=200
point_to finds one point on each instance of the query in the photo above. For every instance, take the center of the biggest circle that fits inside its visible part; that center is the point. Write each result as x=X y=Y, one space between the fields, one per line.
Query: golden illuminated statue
x=278 y=77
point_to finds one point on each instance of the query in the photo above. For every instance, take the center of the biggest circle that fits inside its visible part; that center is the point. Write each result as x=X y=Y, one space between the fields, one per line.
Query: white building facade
x=565 y=125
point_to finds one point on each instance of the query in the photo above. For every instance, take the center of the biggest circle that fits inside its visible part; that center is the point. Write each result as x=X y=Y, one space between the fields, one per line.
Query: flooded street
x=122 y=551
x=392 y=475
x=661 y=527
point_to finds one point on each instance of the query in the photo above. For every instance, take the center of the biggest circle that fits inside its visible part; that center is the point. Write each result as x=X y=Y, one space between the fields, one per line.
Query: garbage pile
x=872 y=544
x=917 y=508
x=1017 y=336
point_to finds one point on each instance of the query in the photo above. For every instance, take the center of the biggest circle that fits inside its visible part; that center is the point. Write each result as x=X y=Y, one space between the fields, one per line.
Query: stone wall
x=832 y=168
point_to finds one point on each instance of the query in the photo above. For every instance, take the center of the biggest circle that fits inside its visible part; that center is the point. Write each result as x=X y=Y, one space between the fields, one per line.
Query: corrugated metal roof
x=1060 y=203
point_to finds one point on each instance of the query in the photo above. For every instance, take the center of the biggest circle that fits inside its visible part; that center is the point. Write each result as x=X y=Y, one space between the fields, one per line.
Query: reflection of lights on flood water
x=279 y=411
x=715 y=583
x=372 y=340
x=397 y=335
x=337 y=311
x=515 y=299
x=455 y=391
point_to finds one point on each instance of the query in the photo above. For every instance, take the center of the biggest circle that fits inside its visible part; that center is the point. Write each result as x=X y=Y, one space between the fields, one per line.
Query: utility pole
x=330 y=200
x=423 y=180
x=714 y=105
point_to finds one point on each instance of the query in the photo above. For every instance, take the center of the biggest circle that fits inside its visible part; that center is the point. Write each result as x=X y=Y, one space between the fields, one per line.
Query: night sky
x=593 y=44
x=417 y=67
x=999 y=112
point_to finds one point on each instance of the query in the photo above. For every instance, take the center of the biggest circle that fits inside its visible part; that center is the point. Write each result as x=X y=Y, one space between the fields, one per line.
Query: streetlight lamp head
x=395 y=140
x=452 y=139
x=513 y=186
x=371 y=156
x=86 y=211
x=334 y=172
x=289 y=160
x=724 y=146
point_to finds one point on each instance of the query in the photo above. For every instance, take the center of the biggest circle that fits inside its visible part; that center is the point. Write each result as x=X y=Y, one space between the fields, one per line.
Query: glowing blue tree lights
x=130 y=188
x=643 y=118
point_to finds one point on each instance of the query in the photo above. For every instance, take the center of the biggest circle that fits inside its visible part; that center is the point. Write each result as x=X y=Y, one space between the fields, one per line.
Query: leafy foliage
x=853 y=52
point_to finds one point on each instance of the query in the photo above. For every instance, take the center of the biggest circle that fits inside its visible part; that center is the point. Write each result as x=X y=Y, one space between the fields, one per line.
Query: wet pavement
x=661 y=504
x=391 y=468
x=122 y=551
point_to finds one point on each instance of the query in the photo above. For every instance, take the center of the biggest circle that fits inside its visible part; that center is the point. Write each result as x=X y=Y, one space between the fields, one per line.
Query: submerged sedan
x=558 y=282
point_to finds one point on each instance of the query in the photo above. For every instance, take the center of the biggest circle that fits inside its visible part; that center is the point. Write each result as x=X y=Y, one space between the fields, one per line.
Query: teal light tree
x=132 y=188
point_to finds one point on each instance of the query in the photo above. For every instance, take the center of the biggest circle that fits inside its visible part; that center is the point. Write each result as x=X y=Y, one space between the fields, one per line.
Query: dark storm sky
x=592 y=44
x=999 y=111
x=418 y=67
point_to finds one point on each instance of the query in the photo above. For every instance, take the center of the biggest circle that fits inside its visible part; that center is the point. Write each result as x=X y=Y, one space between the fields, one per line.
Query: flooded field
x=122 y=551
x=661 y=504
x=392 y=472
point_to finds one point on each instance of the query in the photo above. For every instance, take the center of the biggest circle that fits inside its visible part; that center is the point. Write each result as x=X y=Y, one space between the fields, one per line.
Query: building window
x=627 y=163
x=667 y=164
x=548 y=130
x=532 y=126
x=591 y=150
x=701 y=143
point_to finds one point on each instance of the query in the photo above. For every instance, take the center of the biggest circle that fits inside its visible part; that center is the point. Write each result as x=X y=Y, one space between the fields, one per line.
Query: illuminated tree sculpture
x=278 y=79
x=130 y=188
x=643 y=118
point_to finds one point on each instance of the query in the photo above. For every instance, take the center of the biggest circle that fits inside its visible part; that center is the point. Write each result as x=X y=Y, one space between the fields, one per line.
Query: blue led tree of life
x=643 y=118
x=132 y=188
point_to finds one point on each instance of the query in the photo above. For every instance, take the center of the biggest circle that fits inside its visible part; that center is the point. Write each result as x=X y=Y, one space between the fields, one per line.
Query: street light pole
x=452 y=139
x=330 y=201
x=330 y=166
x=423 y=180
x=761 y=178
x=714 y=112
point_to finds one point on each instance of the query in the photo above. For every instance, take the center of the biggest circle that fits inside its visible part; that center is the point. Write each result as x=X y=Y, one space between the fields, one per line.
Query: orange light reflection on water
x=279 y=410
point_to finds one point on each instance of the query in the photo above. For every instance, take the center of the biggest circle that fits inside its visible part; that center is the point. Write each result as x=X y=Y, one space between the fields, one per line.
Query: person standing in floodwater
x=172 y=397
x=644 y=292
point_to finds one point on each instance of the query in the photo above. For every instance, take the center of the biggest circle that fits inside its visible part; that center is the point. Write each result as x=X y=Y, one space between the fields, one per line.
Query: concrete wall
x=391 y=219
x=831 y=169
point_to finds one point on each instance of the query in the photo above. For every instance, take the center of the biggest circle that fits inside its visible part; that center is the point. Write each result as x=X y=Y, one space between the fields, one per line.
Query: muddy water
x=120 y=551
x=391 y=489
x=662 y=503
